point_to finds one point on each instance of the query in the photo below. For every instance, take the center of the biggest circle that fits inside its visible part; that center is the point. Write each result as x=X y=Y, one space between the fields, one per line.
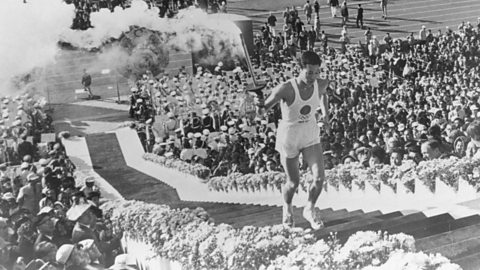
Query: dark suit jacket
x=43 y=238
x=81 y=232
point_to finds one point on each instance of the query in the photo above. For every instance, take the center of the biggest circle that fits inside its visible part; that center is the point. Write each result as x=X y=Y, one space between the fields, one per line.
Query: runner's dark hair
x=310 y=58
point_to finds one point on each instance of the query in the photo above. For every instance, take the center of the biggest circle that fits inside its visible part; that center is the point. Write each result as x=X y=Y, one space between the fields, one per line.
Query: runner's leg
x=314 y=157
x=290 y=187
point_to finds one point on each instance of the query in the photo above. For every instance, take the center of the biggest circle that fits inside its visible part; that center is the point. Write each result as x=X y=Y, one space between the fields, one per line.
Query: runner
x=298 y=133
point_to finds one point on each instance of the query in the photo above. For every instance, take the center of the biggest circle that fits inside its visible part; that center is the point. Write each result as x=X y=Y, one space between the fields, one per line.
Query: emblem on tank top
x=305 y=114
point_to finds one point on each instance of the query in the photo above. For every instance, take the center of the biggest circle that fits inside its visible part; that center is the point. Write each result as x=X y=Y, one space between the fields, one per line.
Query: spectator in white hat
x=122 y=262
x=72 y=257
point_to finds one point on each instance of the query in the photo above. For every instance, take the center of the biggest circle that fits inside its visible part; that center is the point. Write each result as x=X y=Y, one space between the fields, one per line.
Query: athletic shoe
x=288 y=221
x=313 y=217
x=288 y=217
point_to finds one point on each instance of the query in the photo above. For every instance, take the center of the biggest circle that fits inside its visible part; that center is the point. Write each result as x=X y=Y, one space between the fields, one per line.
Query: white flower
x=438 y=259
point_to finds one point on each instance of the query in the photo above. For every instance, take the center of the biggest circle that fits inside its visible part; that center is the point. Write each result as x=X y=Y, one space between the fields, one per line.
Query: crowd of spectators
x=296 y=35
x=410 y=98
x=48 y=218
x=167 y=8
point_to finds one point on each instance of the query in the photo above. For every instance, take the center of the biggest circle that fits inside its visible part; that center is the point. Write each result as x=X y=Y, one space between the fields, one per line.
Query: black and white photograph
x=239 y=135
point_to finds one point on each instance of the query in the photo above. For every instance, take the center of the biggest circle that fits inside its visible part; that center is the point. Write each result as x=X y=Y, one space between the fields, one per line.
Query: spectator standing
x=316 y=7
x=360 y=16
x=383 y=5
x=294 y=15
x=214 y=7
x=87 y=82
x=25 y=147
x=388 y=40
x=324 y=40
x=286 y=15
x=46 y=228
x=422 y=34
x=316 y=25
x=344 y=31
x=411 y=39
x=368 y=36
x=272 y=22
x=333 y=7
x=344 y=40
x=30 y=195
x=307 y=8
x=373 y=51
x=344 y=12
x=287 y=31
x=303 y=41
x=299 y=26
x=312 y=37
x=223 y=7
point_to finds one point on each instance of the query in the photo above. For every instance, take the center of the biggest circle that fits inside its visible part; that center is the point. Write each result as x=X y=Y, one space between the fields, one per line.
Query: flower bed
x=446 y=170
x=197 y=170
x=190 y=238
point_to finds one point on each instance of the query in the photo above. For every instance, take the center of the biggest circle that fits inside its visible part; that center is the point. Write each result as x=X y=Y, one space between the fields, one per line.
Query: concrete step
x=419 y=224
x=385 y=222
x=399 y=221
x=470 y=262
x=447 y=238
x=353 y=225
x=265 y=217
x=382 y=221
x=260 y=219
x=391 y=215
x=459 y=249
x=244 y=213
x=351 y=216
x=441 y=227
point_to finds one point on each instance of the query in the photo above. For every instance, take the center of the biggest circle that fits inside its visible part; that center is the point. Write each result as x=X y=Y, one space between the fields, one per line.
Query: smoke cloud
x=30 y=33
x=187 y=27
x=192 y=30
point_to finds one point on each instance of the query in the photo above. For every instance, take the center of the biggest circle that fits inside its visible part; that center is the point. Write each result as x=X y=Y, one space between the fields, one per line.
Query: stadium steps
x=458 y=243
x=470 y=262
x=108 y=161
x=457 y=239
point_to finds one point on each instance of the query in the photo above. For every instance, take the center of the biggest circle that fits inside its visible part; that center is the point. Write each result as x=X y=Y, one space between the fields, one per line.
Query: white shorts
x=293 y=138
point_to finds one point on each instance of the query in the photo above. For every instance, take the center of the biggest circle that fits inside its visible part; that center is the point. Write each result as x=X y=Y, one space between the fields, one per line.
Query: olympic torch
x=256 y=87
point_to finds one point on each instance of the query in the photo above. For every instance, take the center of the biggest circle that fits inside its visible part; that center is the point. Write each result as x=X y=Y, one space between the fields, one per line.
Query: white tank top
x=300 y=111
